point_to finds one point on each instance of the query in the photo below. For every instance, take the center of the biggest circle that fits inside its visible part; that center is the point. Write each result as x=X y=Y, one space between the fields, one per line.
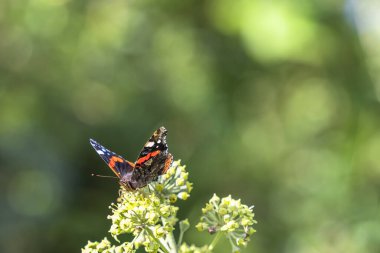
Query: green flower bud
x=183 y=195
x=201 y=226
x=241 y=242
x=251 y=231
x=222 y=211
x=207 y=208
x=159 y=232
x=215 y=199
x=246 y=221
x=172 y=198
x=189 y=186
x=180 y=181
x=193 y=249
x=226 y=218
x=159 y=187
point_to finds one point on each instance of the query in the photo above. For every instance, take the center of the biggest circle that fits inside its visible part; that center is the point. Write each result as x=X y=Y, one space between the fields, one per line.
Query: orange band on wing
x=168 y=162
x=147 y=157
x=113 y=160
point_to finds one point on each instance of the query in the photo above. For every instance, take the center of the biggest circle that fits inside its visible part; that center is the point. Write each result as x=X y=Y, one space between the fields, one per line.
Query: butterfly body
x=153 y=161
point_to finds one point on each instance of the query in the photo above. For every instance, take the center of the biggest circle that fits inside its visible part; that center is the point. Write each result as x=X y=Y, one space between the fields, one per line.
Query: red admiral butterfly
x=154 y=160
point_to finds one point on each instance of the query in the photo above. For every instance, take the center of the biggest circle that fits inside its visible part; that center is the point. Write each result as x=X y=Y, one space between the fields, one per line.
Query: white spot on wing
x=149 y=144
x=100 y=152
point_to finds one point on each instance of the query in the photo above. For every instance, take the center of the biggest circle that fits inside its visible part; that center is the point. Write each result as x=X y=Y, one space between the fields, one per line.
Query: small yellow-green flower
x=193 y=249
x=105 y=247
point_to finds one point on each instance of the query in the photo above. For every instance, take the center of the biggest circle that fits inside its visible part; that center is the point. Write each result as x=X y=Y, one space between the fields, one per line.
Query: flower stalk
x=162 y=247
x=215 y=241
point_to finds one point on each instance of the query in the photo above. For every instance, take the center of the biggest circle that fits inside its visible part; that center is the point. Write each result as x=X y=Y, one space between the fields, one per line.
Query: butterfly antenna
x=96 y=175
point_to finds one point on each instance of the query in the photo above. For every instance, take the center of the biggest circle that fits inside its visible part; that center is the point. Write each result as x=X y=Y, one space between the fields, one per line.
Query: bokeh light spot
x=94 y=103
x=105 y=23
x=369 y=155
x=273 y=31
x=46 y=19
x=270 y=31
x=31 y=193
x=189 y=87
x=16 y=48
x=308 y=108
x=263 y=143
x=17 y=112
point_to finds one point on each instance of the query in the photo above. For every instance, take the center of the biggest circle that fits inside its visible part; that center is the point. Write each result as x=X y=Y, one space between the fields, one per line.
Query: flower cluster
x=230 y=217
x=105 y=247
x=138 y=210
x=150 y=216
x=174 y=183
x=193 y=249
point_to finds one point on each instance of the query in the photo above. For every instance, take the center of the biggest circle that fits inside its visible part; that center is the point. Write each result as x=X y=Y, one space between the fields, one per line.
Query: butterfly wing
x=153 y=147
x=117 y=164
x=153 y=160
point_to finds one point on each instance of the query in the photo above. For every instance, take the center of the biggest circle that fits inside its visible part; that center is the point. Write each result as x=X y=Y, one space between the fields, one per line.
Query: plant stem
x=215 y=241
x=171 y=240
x=173 y=245
x=147 y=229
x=180 y=239
x=164 y=249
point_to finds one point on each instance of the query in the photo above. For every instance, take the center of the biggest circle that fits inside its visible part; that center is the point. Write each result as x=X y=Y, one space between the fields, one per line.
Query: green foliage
x=149 y=215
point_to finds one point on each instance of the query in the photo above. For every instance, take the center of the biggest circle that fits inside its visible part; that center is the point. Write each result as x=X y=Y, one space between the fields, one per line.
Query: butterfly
x=153 y=161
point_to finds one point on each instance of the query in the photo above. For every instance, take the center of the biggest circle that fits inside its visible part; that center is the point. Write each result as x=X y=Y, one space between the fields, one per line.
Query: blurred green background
x=274 y=102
